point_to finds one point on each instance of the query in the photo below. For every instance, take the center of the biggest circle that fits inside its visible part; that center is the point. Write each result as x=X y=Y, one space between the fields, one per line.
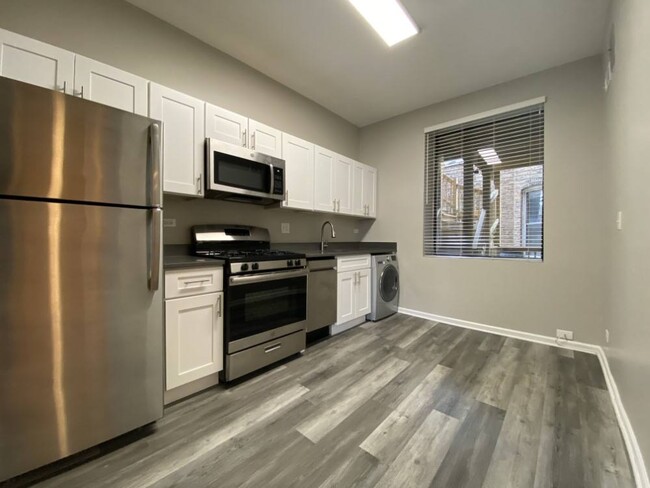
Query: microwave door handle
x=272 y=180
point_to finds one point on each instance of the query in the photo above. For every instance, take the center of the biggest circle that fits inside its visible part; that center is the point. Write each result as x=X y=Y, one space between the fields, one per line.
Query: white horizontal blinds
x=484 y=187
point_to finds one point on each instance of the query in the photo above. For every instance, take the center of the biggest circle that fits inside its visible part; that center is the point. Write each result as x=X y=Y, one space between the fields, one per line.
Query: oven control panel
x=261 y=266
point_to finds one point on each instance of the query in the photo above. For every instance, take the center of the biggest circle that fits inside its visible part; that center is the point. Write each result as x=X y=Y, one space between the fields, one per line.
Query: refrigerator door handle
x=156 y=230
x=156 y=176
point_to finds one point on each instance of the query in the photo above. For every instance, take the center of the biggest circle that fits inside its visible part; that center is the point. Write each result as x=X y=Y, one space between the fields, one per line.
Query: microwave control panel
x=278 y=181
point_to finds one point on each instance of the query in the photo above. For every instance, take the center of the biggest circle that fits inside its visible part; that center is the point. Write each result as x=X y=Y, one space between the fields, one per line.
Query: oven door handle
x=262 y=277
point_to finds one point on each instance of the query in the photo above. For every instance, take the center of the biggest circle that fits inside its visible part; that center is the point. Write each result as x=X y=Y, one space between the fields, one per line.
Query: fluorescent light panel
x=489 y=155
x=388 y=18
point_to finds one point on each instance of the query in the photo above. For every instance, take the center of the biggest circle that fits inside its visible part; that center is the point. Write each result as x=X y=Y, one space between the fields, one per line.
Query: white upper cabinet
x=264 y=139
x=105 y=84
x=299 y=172
x=324 y=180
x=369 y=192
x=35 y=62
x=183 y=136
x=357 y=189
x=234 y=128
x=225 y=125
x=343 y=184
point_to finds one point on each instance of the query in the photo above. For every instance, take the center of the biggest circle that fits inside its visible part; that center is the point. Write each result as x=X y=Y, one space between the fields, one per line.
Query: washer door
x=389 y=283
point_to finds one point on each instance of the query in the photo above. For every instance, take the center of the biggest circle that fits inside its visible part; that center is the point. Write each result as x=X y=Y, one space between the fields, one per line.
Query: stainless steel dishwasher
x=321 y=293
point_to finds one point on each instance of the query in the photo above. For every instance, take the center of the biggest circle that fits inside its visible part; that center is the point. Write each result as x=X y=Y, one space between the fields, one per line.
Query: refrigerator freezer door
x=62 y=147
x=81 y=333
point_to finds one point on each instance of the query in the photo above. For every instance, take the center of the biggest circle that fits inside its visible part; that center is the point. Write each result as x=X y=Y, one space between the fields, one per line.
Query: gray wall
x=305 y=226
x=119 y=34
x=568 y=289
x=628 y=121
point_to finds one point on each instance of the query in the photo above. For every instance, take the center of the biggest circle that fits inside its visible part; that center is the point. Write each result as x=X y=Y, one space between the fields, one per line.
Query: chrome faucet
x=323 y=244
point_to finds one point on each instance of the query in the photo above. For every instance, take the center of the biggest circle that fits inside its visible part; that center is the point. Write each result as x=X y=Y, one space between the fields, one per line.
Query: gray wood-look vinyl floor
x=400 y=403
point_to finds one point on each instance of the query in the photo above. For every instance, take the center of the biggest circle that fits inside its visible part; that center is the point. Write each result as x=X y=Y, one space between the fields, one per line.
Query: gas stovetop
x=245 y=249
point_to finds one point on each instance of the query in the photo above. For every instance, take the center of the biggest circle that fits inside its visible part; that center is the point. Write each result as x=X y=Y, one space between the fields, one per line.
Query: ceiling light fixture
x=489 y=155
x=388 y=17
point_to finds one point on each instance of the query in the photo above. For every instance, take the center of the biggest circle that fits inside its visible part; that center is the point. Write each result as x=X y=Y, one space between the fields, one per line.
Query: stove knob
x=296 y=262
x=244 y=267
x=289 y=262
x=255 y=266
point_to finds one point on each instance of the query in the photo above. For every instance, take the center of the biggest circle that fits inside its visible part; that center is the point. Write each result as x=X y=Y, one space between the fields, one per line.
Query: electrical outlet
x=169 y=222
x=285 y=228
x=356 y=231
x=607 y=336
x=567 y=335
x=619 y=220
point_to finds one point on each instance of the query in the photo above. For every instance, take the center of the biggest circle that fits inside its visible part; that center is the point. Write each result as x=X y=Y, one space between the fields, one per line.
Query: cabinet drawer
x=352 y=263
x=257 y=357
x=188 y=282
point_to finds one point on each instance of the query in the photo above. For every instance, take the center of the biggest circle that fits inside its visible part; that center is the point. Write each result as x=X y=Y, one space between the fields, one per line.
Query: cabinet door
x=362 y=293
x=35 y=62
x=105 y=84
x=194 y=338
x=225 y=125
x=264 y=139
x=324 y=180
x=357 y=189
x=370 y=191
x=345 y=297
x=183 y=139
x=299 y=172
x=343 y=184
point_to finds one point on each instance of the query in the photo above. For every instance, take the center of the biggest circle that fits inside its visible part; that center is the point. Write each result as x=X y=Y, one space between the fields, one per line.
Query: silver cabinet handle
x=334 y=203
x=286 y=196
x=80 y=93
x=156 y=231
x=199 y=185
x=272 y=348
x=219 y=311
x=63 y=88
x=196 y=281
x=338 y=205
x=253 y=140
x=243 y=138
x=155 y=156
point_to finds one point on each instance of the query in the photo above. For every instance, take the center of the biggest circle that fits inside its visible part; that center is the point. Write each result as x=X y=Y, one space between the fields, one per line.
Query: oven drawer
x=187 y=282
x=257 y=357
x=352 y=263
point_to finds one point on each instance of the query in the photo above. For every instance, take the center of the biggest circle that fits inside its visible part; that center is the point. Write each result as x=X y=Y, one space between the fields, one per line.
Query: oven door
x=264 y=306
x=237 y=171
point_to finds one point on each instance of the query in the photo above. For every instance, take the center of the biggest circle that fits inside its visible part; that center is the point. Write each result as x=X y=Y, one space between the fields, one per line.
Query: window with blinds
x=484 y=187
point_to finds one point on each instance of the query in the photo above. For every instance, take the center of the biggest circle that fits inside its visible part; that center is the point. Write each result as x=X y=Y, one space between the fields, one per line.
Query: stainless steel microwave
x=239 y=174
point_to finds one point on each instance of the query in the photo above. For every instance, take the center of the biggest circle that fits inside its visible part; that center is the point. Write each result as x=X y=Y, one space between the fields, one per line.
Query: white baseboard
x=634 y=452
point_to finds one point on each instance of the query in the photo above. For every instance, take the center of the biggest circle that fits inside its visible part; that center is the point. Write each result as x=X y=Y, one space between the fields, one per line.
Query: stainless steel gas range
x=265 y=296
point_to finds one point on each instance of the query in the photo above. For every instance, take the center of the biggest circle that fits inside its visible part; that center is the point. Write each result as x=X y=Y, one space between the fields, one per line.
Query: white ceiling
x=324 y=49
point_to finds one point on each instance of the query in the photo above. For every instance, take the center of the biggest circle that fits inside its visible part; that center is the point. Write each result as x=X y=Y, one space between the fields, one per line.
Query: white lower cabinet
x=353 y=290
x=345 y=297
x=193 y=333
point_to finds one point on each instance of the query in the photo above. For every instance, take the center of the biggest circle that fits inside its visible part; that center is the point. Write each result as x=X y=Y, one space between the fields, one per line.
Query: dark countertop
x=334 y=249
x=178 y=256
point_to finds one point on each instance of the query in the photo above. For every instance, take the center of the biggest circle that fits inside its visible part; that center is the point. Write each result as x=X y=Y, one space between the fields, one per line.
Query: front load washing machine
x=385 y=286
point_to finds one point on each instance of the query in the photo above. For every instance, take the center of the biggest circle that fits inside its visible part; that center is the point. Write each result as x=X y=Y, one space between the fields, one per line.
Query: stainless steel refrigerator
x=81 y=321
